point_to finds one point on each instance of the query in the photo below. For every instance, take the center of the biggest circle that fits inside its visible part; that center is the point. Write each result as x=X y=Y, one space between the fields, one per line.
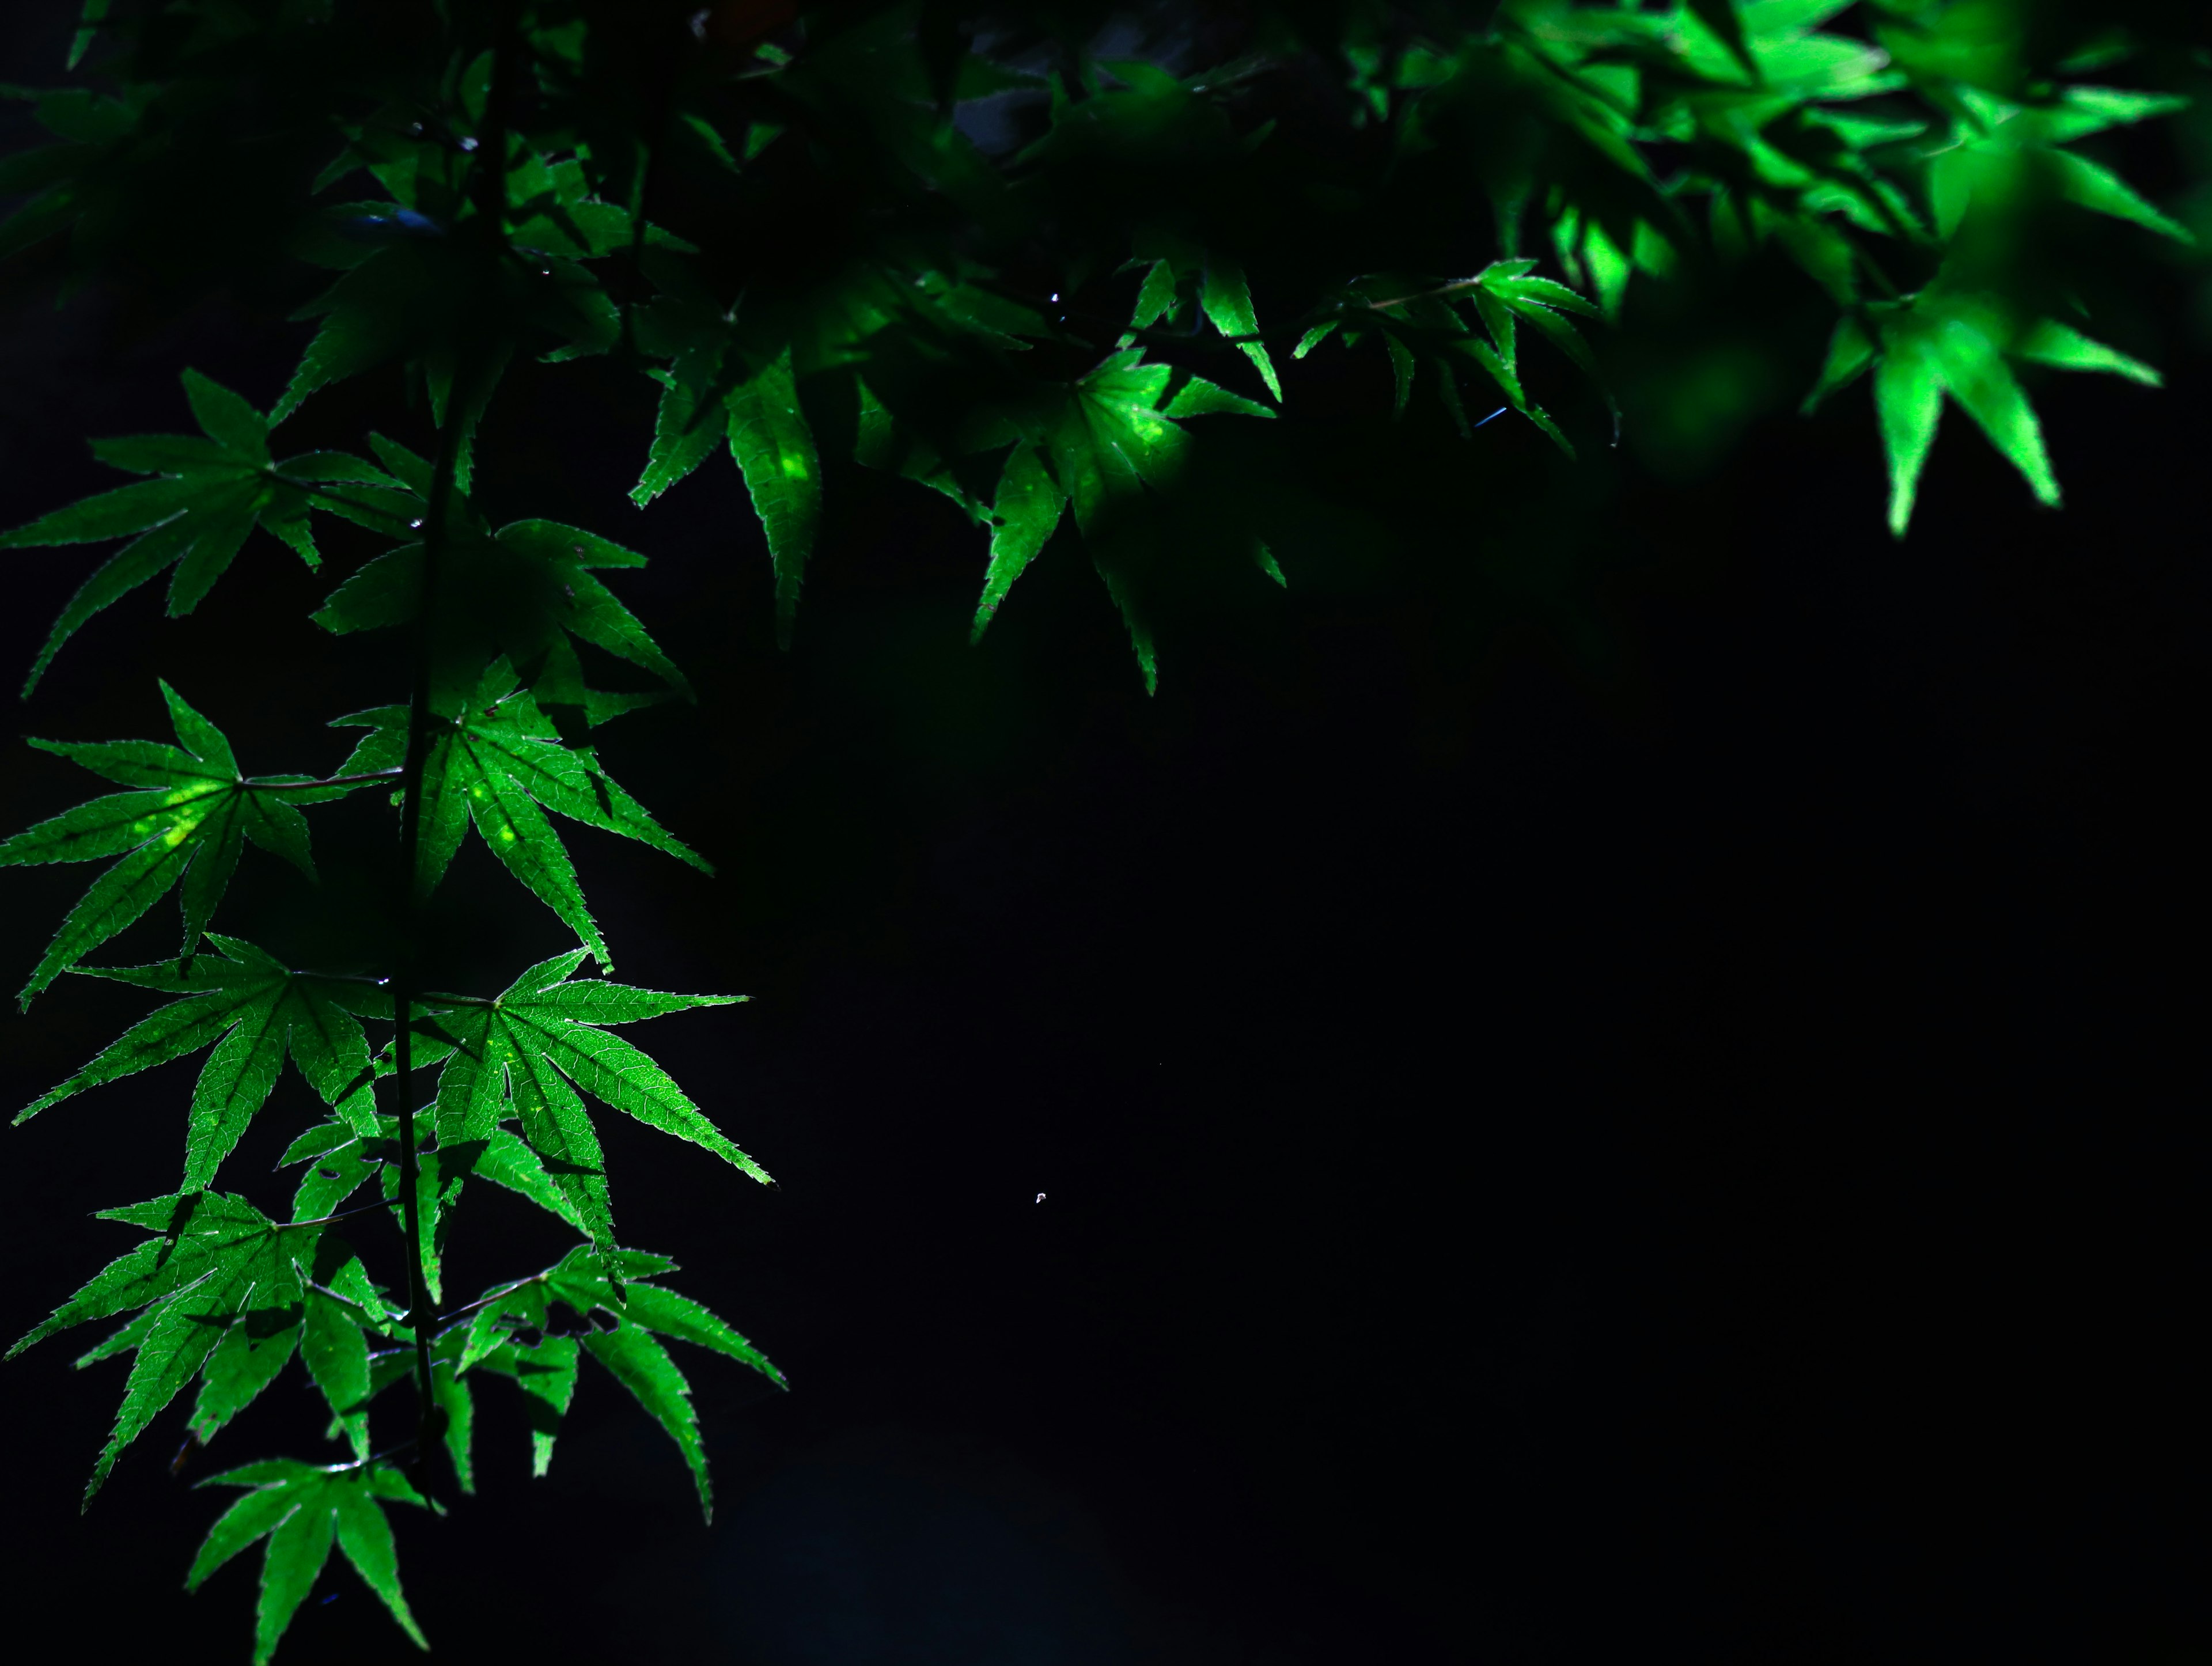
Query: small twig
x=386 y=1456
x=486 y=1299
x=443 y=999
x=1148 y=333
x=331 y=781
x=324 y=1219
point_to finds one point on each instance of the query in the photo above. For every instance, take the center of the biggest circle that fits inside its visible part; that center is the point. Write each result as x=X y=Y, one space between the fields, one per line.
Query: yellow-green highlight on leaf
x=776 y=452
x=192 y=812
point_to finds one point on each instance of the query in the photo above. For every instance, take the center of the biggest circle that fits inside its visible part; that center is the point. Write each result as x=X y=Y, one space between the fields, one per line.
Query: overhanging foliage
x=1021 y=259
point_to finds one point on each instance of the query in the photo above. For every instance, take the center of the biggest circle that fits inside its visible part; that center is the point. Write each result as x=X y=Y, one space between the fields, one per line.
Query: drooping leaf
x=538 y=1042
x=255 y=1010
x=774 y=449
x=1227 y=300
x=217 y=1267
x=187 y=823
x=686 y=429
x=337 y=1355
x=1908 y=397
x=1200 y=397
x=209 y=494
x=512 y=1334
x=301 y=1509
x=1851 y=350
x=258 y=1344
x=1027 y=509
x=498 y=766
x=2050 y=342
x=526 y=594
x=1945 y=342
x=679 y=1316
x=642 y=1365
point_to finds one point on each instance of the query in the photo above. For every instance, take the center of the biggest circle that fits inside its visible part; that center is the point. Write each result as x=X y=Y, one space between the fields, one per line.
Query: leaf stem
x=324 y=1219
x=491 y=1296
x=488 y=186
x=411 y=841
x=330 y=781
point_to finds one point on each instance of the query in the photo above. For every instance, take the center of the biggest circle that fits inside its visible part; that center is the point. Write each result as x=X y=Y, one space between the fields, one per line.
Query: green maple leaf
x=301 y=1509
x=208 y=494
x=690 y=423
x=1994 y=139
x=525 y=592
x=1025 y=513
x=546 y=1373
x=776 y=452
x=882 y=443
x=705 y=399
x=254 y=1010
x=333 y=1344
x=1939 y=343
x=1095 y=446
x=1226 y=301
x=1505 y=295
x=191 y=811
x=500 y=765
x=344 y=1160
x=1417 y=318
x=528 y=1051
x=511 y=1332
x=217 y=1267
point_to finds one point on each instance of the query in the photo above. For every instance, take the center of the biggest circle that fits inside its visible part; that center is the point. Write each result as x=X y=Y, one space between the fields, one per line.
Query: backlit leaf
x=301 y=1510
x=775 y=450
x=1027 y=509
x=1227 y=301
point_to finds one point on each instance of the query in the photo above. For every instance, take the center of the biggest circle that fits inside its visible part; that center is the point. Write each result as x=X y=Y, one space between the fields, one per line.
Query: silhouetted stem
x=488 y=187
x=330 y=781
x=420 y=1314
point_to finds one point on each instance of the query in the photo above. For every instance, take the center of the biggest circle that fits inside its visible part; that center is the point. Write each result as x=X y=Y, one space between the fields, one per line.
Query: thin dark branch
x=328 y=781
x=491 y=1296
x=321 y=1220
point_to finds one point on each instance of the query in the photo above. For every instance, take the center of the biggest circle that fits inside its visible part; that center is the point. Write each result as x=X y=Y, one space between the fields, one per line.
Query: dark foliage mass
x=1327 y=297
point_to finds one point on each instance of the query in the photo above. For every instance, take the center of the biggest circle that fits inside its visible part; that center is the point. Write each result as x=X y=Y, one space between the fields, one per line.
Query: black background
x=1656 y=1125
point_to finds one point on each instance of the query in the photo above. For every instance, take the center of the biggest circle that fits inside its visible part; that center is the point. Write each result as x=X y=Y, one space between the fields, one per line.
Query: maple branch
x=331 y=781
x=490 y=1296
